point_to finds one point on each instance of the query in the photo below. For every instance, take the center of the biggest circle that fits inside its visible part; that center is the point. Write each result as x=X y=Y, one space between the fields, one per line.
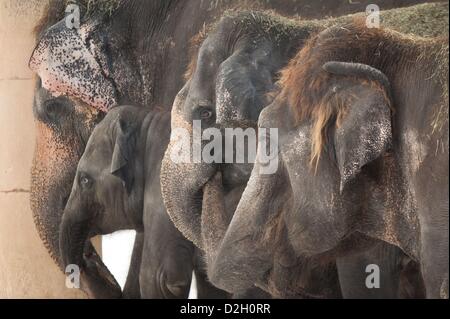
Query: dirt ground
x=26 y=270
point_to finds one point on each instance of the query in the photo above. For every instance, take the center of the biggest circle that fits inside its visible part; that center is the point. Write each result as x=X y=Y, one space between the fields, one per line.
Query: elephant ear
x=364 y=129
x=242 y=84
x=124 y=149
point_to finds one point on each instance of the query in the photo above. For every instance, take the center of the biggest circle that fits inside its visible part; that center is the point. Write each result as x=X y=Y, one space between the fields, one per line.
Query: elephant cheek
x=53 y=170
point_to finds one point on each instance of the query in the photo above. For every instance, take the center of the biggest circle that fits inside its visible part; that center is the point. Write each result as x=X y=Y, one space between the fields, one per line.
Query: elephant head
x=201 y=195
x=226 y=91
x=107 y=192
x=64 y=121
x=333 y=190
x=63 y=127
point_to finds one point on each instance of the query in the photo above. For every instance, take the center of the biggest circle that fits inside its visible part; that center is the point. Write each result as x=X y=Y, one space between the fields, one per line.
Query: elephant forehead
x=66 y=66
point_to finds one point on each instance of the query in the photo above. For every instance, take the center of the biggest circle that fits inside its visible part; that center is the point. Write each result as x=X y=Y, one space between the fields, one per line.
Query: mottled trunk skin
x=215 y=219
x=76 y=249
x=56 y=158
x=53 y=171
x=54 y=166
x=73 y=235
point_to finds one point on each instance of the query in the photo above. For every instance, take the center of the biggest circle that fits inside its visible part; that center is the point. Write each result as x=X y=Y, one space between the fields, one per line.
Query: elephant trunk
x=182 y=202
x=182 y=189
x=76 y=249
x=215 y=218
x=72 y=238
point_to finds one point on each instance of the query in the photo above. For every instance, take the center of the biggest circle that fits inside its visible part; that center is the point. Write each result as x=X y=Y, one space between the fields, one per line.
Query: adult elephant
x=132 y=51
x=244 y=66
x=363 y=140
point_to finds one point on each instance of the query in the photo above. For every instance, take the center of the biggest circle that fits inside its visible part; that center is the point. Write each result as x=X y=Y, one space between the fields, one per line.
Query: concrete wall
x=26 y=270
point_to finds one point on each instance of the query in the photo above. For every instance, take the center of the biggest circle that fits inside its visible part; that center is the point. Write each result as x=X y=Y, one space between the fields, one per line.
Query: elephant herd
x=356 y=118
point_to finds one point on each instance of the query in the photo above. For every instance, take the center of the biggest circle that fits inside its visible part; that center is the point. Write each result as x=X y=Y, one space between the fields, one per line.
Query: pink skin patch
x=66 y=66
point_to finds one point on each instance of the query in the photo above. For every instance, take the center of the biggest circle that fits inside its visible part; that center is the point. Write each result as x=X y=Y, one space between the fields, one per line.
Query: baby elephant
x=117 y=186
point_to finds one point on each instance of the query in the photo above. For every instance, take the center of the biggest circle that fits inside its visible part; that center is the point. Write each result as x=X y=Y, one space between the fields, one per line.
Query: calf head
x=106 y=195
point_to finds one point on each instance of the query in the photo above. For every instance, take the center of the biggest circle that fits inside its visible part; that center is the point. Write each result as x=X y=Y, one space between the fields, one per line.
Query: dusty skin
x=26 y=269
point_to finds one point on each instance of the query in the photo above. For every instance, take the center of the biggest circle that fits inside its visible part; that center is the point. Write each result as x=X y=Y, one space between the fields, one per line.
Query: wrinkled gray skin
x=244 y=65
x=117 y=187
x=244 y=71
x=61 y=122
x=136 y=53
x=400 y=173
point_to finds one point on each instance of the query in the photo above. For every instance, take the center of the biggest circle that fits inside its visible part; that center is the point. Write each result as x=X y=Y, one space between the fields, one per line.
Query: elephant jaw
x=69 y=63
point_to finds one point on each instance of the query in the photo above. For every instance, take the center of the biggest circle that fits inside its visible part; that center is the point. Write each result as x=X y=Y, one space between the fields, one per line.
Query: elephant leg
x=434 y=233
x=165 y=276
x=167 y=259
x=434 y=262
x=354 y=273
x=132 y=289
x=411 y=281
x=205 y=290
x=253 y=293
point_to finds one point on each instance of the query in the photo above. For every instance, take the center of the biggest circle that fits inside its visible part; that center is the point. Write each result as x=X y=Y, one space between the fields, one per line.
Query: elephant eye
x=85 y=180
x=54 y=110
x=51 y=107
x=205 y=114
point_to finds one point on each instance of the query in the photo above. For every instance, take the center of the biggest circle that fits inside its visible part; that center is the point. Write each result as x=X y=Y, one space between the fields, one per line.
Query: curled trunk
x=76 y=249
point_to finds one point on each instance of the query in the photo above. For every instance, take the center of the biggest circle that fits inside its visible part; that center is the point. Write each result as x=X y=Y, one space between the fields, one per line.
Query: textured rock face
x=26 y=269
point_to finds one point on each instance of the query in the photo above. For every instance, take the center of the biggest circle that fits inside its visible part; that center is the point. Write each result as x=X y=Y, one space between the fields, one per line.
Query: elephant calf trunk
x=72 y=237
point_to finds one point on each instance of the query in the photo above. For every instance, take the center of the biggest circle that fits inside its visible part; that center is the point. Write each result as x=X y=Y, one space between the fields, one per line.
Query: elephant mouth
x=77 y=249
x=235 y=176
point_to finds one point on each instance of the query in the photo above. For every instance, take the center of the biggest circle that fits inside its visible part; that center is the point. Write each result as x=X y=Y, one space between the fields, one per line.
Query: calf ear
x=124 y=147
x=364 y=132
x=242 y=84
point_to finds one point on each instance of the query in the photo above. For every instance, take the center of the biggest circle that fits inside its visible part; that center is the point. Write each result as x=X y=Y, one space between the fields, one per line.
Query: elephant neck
x=135 y=204
x=152 y=142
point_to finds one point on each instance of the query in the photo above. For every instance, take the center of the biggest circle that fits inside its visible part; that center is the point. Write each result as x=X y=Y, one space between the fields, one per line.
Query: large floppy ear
x=124 y=148
x=242 y=84
x=364 y=130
